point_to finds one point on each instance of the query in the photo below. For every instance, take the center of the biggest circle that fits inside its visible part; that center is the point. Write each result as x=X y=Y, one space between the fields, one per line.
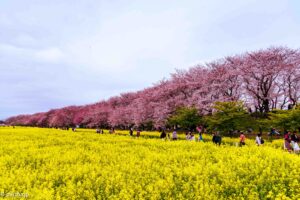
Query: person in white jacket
x=259 y=141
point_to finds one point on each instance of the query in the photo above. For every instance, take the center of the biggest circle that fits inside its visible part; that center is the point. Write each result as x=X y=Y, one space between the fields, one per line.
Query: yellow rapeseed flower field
x=57 y=164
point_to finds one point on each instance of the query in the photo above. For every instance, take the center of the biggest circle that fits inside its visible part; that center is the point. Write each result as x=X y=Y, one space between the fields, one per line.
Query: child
x=192 y=137
x=187 y=135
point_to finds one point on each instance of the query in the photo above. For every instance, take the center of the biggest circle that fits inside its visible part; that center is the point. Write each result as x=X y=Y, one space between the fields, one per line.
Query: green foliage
x=285 y=119
x=229 y=116
x=147 y=125
x=185 y=117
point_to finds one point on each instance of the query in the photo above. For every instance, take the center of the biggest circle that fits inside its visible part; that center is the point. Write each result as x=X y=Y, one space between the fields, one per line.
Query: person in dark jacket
x=217 y=139
x=163 y=134
x=131 y=131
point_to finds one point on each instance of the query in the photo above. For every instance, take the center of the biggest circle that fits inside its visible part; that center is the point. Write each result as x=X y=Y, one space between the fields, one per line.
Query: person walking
x=287 y=141
x=259 y=141
x=294 y=142
x=138 y=133
x=242 y=139
x=163 y=135
x=131 y=131
x=296 y=147
x=294 y=138
x=200 y=129
x=200 y=139
x=168 y=135
x=217 y=138
x=174 y=135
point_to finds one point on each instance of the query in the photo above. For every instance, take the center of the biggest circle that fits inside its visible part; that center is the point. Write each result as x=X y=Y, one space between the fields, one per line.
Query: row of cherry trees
x=265 y=80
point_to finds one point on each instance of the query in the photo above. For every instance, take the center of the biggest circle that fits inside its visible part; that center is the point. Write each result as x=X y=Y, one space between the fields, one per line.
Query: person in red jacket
x=287 y=141
x=138 y=133
x=242 y=139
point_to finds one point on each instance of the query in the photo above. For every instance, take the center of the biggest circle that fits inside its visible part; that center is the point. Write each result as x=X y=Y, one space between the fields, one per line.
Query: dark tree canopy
x=186 y=118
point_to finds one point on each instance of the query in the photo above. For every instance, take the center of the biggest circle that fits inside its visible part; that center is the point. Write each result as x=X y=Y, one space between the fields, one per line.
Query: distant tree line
x=261 y=84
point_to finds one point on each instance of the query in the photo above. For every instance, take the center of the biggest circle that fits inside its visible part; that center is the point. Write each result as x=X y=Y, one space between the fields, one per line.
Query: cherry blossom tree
x=264 y=80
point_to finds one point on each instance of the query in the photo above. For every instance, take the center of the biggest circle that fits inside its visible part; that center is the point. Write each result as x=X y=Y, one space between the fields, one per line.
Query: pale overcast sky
x=72 y=52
